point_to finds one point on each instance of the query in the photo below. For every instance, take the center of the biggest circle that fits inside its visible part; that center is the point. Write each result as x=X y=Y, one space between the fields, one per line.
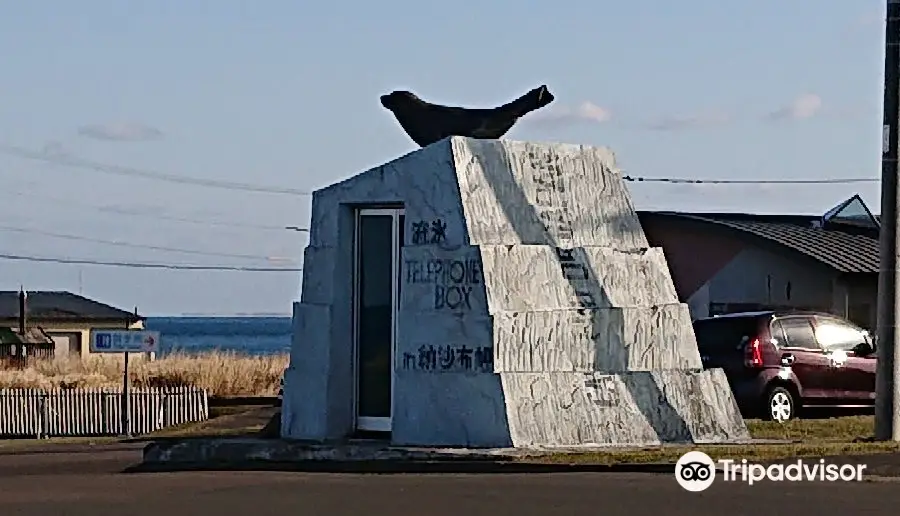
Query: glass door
x=379 y=235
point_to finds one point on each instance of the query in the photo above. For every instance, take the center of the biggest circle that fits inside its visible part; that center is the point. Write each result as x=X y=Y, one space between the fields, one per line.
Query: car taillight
x=753 y=354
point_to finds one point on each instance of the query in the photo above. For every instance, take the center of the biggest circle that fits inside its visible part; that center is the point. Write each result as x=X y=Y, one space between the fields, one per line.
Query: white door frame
x=375 y=424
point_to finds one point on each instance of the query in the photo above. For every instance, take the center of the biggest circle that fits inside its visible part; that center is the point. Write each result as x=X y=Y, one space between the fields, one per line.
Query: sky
x=144 y=123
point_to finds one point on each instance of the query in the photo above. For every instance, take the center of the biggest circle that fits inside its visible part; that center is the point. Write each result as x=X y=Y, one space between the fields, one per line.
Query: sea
x=249 y=335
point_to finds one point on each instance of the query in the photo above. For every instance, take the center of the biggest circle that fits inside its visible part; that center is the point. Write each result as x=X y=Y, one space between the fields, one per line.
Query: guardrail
x=97 y=412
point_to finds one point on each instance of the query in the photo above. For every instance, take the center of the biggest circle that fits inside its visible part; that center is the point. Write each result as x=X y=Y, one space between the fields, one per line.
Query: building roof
x=32 y=336
x=845 y=249
x=60 y=305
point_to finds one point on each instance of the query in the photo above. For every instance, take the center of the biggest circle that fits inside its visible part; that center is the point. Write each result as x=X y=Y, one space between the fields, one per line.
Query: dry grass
x=220 y=373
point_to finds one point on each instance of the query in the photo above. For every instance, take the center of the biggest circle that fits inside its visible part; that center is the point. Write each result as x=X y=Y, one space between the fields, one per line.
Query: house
x=731 y=262
x=16 y=345
x=65 y=317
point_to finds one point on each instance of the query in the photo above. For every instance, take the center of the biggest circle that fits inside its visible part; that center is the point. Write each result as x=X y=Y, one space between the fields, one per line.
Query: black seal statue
x=427 y=123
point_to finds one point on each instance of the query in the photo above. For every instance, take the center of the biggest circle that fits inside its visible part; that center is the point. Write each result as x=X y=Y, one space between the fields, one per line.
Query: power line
x=64 y=159
x=674 y=180
x=206 y=222
x=132 y=213
x=68 y=160
x=65 y=236
x=139 y=265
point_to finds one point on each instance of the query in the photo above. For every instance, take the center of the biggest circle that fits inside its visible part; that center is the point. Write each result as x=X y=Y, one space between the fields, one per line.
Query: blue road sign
x=120 y=341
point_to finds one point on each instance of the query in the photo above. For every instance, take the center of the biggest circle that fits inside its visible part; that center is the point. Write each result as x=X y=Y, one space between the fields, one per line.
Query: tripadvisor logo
x=695 y=471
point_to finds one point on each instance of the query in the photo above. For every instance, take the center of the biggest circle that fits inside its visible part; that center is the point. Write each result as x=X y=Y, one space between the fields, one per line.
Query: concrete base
x=249 y=453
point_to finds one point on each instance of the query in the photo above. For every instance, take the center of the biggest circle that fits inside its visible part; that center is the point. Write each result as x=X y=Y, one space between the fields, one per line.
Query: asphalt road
x=91 y=483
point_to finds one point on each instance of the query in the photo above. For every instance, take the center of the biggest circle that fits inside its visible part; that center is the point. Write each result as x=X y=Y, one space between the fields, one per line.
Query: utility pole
x=887 y=398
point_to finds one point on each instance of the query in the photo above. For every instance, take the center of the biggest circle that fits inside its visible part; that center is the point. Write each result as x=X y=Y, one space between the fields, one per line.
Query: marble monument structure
x=494 y=293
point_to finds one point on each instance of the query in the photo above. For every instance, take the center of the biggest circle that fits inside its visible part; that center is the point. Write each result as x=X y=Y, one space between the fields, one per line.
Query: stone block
x=455 y=409
x=495 y=192
x=323 y=220
x=558 y=195
x=424 y=182
x=609 y=340
x=634 y=408
x=318 y=276
x=311 y=325
x=306 y=383
x=303 y=412
x=440 y=342
x=524 y=278
x=443 y=280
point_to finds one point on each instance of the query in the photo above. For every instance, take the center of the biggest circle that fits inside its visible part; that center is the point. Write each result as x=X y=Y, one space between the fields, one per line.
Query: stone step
x=495 y=278
x=611 y=340
x=565 y=409
x=535 y=277
x=571 y=409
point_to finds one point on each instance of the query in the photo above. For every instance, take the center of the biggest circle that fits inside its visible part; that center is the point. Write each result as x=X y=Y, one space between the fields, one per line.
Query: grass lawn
x=834 y=429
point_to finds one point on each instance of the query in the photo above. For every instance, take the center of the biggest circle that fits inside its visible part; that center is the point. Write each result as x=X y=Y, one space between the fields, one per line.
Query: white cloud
x=121 y=132
x=684 y=122
x=591 y=112
x=568 y=115
x=804 y=106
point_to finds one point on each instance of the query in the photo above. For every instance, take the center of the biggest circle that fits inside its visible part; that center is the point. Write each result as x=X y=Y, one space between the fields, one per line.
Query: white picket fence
x=97 y=412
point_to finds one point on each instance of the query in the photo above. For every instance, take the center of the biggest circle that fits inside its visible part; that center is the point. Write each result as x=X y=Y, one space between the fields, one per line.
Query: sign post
x=126 y=401
x=125 y=342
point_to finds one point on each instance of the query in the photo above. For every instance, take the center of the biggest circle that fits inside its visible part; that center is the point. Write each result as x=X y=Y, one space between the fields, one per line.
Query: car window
x=719 y=335
x=838 y=335
x=777 y=332
x=798 y=333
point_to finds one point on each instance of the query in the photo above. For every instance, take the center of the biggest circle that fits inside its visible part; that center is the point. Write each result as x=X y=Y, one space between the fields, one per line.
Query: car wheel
x=780 y=405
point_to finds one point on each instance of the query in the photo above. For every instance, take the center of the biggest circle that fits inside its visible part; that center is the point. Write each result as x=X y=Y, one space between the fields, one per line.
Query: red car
x=778 y=362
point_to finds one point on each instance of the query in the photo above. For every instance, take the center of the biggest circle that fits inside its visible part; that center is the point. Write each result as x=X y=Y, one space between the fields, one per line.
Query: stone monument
x=529 y=309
